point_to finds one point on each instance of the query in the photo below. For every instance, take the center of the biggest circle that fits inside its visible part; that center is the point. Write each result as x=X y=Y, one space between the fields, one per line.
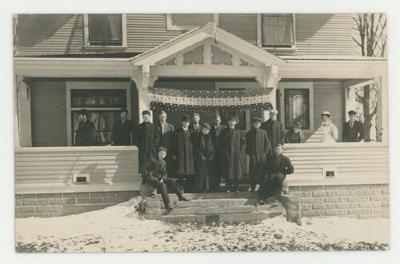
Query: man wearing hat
x=195 y=125
x=294 y=134
x=353 y=130
x=123 y=130
x=328 y=129
x=182 y=154
x=233 y=145
x=274 y=129
x=86 y=132
x=147 y=141
x=258 y=148
x=215 y=132
x=156 y=176
x=165 y=133
x=203 y=157
x=278 y=166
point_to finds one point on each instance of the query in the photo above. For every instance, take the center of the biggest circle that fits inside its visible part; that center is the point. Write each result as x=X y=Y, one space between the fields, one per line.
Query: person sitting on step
x=278 y=166
x=156 y=177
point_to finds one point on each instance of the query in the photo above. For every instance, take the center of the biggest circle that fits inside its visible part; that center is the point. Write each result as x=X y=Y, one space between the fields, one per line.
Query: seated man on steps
x=156 y=177
x=278 y=166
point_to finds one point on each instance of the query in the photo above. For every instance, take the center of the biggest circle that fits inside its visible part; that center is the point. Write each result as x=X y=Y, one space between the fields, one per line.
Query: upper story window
x=277 y=30
x=105 y=30
x=189 y=21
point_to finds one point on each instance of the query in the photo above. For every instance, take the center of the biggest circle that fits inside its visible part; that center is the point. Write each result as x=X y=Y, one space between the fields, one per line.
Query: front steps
x=210 y=208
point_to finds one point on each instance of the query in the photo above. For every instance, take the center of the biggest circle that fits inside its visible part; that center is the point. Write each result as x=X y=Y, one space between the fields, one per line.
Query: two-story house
x=242 y=64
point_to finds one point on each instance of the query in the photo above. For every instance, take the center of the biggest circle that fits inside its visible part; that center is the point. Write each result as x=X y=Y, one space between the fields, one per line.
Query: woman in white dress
x=328 y=129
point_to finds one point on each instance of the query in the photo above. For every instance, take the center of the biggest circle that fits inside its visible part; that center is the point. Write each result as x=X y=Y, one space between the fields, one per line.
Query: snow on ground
x=119 y=229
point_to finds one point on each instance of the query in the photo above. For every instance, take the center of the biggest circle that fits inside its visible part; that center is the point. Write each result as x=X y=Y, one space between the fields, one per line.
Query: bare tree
x=370 y=37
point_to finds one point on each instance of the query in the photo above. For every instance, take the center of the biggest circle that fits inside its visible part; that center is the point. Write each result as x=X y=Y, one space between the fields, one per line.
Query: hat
x=232 y=118
x=162 y=148
x=185 y=118
x=83 y=112
x=146 y=112
x=257 y=119
x=326 y=113
x=352 y=112
x=273 y=111
x=206 y=125
x=297 y=124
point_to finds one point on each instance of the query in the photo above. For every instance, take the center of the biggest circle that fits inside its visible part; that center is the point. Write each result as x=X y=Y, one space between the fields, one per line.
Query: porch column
x=270 y=80
x=22 y=96
x=382 y=110
x=141 y=76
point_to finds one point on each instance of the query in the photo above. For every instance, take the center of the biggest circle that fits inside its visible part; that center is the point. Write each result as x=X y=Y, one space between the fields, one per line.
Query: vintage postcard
x=201 y=132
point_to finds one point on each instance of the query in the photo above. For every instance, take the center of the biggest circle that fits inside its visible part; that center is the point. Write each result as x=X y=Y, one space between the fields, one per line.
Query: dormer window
x=277 y=30
x=105 y=30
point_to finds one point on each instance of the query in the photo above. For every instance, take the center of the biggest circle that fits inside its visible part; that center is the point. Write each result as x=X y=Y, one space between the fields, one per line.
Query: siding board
x=63 y=34
x=48 y=108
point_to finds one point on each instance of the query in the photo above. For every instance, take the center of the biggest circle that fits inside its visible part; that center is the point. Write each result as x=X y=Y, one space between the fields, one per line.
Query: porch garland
x=209 y=100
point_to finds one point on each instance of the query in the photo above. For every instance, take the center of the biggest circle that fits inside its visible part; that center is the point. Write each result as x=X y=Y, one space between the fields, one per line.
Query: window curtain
x=277 y=29
x=114 y=27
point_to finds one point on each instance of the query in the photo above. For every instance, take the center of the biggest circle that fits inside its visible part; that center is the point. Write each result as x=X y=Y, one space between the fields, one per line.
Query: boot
x=182 y=198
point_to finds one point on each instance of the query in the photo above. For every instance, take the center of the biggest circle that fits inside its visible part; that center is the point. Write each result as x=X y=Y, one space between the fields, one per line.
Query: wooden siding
x=48 y=113
x=116 y=168
x=354 y=161
x=105 y=165
x=242 y=25
x=316 y=34
x=327 y=34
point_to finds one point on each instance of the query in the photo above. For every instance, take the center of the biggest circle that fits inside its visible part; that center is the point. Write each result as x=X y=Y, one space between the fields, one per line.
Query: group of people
x=196 y=156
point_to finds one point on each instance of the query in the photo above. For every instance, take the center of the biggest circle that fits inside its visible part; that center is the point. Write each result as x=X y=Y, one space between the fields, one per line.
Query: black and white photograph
x=201 y=132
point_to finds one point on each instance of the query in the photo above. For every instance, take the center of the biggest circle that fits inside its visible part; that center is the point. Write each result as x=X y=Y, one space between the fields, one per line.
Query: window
x=189 y=21
x=277 y=30
x=105 y=30
x=297 y=107
x=103 y=107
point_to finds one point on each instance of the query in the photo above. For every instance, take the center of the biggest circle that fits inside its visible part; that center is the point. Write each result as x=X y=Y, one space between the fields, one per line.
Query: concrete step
x=207 y=203
x=230 y=218
x=216 y=210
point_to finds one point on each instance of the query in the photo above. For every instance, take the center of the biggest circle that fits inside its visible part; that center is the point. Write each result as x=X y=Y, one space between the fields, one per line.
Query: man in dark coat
x=215 y=132
x=165 y=133
x=233 y=144
x=274 y=129
x=278 y=166
x=86 y=132
x=353 y=130
x=147 y=141
x=258 y=148
x=203 y=157
x=156 y=176
x=195 y=125
x=123 y=130
x=182 y=154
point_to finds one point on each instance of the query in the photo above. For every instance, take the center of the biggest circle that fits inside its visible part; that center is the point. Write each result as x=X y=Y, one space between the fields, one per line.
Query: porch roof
x=197 y=35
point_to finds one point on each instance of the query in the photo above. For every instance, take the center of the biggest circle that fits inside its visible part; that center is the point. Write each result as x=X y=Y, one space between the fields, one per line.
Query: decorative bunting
x=209 y=100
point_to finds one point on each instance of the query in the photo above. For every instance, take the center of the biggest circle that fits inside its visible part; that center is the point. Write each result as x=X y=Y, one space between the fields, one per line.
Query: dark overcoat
x=166 y=137
x=233 y=144
x=203 y=158
x=123 y=133
x=279 y=164
x=258 y=148
x=183 y=152
x=353 y=134
x=86 y=134
x=275 y=132
x=148 y=140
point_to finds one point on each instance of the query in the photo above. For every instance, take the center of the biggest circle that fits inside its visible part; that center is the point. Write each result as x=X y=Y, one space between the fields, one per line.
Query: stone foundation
x=359 y=201
x=59 y=204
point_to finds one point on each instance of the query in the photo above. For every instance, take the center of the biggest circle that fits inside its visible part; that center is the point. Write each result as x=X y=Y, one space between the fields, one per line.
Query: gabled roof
x=197 y=35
